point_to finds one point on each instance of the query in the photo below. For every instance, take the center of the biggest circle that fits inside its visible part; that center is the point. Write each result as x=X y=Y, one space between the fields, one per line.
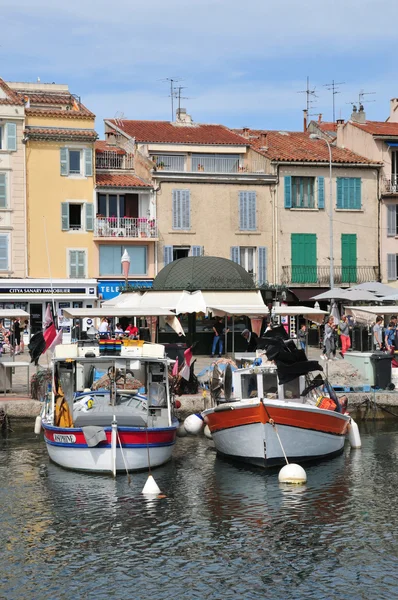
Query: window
x=171 y=253
x=169 y=162
x=216 y=163
x=1 y=137
x=303 y=257
x=77 y=216
x=3 y=190
x=300 y=192
x=76 y=161
x=392 y=267
x=392 y=220
x=394 y=169
x=8 y=137
x=247 y=211
x=349 y=193
x=253 y=259
x=77 y=264
x=349 y=257
x=4 y=252
x=181 y=209
x=110 y=259
x=123 y=205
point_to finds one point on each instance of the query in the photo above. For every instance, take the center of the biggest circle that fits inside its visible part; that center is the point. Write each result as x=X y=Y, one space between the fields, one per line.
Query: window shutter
x=89 y=216
x=64 y=162
x=262 y=265
x=357 y=193
x=72 y=264
x=65 y=216
x=4 y=253
x=88 y=162
x=11 y=135
x=251 y=218
x=186 y=209
x=81 y=264
x=242 y=210
x=321 y=192
x=288 y=191
x=3 y=190
x=176 y=209
x=339 y=192
x=196 y=250
x=391 y=219
x=235 y=254
x=391 y=267
x=167 y=254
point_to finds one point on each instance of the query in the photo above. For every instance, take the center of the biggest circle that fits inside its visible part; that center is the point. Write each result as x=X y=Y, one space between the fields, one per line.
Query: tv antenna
x=119 y=118
x=172 y=95
x=177 y=95
x=334 y=88
x=361 y=101
x=310 y=93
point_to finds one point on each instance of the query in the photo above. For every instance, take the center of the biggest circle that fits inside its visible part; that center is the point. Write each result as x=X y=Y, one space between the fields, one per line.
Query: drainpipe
x=276 y=256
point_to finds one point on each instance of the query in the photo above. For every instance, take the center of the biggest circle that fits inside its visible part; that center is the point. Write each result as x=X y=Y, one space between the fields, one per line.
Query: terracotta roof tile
x=327 y=126
x=59 y=133
x=295 y=146
x=378 y=127
x=122 y=181
x=102 y=146
x=12 y=97
x=166 y=132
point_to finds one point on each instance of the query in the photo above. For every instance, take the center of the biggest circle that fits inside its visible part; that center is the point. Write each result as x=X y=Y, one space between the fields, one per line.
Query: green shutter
x=64 y=162
x=11 y=136
x=303 y=259
x=3 y=190
x=288 y=191
x=349 y=257
x=81 y=264
x=89 y=216
x=88 y=162
x=321 y=192
x=65 y=216
x=72 y=264
x=357 y=193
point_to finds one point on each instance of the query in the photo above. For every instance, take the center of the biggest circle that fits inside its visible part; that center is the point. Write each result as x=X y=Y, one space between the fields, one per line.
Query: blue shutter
x=3 y=190
x=391 y=267
x=242 y=210
x=72 y=264
x=357 y=193
x=235 y=254
x=167 y=254
x=321 y=192
x=196 y=250
x=89 y=216
x=262 y=265
x=88 y=162
x=81 y=264
x=186 y=209
x=252 y=209
x=391 y=220
x=64 y=216
x=11 y=135
x=4 y=266
x=177 y=209
x=288 y=191
x=339 y=192
x=64 y=162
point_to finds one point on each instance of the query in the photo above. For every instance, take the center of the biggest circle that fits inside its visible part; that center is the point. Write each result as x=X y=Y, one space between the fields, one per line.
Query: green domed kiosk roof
x=203 y=273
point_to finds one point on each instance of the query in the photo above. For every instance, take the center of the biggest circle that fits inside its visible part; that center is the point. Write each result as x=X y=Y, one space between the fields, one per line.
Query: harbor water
x=222 y=531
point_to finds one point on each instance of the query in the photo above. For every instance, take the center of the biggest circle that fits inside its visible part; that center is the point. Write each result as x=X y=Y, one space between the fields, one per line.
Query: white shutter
x=186 y=209
x=64 y=162
x=167 y=255
x=391 y=267
x=235 y=254
x=4 y=266
x=65 y=216
x=81 y=264
x=72 y=264
x=3 y=190
x=89 y=216
x=262 y=265
x=196 y=250
x=391 y=220
x=11 y=136
x=88 y=162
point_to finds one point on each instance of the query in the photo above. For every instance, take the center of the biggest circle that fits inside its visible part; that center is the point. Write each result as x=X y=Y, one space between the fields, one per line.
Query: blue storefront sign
x=110 y=289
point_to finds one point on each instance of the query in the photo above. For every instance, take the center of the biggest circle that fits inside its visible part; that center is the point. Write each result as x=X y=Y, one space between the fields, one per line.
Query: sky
x=240 y=63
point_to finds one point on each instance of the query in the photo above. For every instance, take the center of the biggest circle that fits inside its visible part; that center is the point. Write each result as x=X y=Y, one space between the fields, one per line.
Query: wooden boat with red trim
x=111 y=429
x=270 y=419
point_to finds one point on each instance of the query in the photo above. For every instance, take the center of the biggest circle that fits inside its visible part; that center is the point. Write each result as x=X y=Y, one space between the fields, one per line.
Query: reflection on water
x=222 y=531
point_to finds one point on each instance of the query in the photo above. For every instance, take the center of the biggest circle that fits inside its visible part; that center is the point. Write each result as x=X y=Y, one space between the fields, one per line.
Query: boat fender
x=207 y=432
x=292 y=473
x=37 y=427
x=194 y=424
x=353 y=434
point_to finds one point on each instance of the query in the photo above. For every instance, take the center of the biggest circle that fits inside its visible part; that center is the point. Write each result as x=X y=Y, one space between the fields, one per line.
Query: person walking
x=329 y=342
x=218 y=340
x=302 y=337
x=389 y=337
x=378 y=333
x=344 y=329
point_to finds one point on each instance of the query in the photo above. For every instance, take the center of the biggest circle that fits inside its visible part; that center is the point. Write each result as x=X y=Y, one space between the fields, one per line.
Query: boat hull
x=68 y=448
x=243 y=432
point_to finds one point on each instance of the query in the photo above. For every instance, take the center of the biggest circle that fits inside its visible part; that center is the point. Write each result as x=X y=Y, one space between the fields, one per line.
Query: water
x=222 y=532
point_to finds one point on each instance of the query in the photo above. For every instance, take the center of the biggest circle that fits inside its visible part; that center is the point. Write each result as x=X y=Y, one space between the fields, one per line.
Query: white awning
x=366 y=315
x=10 y=313
x=312 y=314
x=248 y=311
x=82 y=313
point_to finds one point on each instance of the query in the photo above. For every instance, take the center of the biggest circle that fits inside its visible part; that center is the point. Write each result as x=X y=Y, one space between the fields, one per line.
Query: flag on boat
x=186 y=371
x=48 y=318
x=175 y=369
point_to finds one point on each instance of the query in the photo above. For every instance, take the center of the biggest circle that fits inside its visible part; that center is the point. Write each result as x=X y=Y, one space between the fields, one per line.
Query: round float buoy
x=181 y=431
x=353 y=435
x=292 y=473
x=177 y=404
x=193 y=424
x=37 y=427
x=151 y=487
x=207 y=432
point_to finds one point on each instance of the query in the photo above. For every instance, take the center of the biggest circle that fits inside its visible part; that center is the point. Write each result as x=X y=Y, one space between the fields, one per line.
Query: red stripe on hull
x=126 y=437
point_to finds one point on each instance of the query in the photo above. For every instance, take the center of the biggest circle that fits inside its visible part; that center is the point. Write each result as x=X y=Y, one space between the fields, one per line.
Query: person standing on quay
x=344 y=335
x=378 y=333
x=218 y=337
x=329 y=339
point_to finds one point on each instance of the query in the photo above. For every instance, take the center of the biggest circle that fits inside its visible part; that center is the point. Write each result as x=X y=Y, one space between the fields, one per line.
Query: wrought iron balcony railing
x=350 y=275
x=113 y=160
x=390 y=186
x=125 y=227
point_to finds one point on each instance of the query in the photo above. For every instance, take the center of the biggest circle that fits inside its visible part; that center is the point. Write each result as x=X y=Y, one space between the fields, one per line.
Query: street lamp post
x=313 y=136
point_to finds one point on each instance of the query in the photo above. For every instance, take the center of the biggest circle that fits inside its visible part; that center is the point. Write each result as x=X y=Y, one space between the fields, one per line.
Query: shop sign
x=112 y=288
x=47 y=290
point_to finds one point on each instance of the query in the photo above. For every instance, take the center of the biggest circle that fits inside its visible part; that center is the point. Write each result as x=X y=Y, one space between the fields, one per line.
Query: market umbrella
x=333 y=294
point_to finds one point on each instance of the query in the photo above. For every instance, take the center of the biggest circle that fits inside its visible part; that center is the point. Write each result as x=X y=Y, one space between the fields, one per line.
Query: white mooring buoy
x=194 y=423
x=207 y=432
x=151 y=487
x=37 y=427
x=292 y=473
x=353 y=435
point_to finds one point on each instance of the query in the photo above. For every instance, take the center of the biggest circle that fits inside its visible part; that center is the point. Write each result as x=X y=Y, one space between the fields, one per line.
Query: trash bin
x=382 y=369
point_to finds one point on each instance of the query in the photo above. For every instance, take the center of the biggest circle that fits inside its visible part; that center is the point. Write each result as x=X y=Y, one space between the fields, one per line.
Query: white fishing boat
x=278 y=411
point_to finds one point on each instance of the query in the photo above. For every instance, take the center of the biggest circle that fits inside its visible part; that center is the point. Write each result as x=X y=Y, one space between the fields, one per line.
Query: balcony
x=110 y=160
x=320 y=276
x=390 y=186
x=125 y=227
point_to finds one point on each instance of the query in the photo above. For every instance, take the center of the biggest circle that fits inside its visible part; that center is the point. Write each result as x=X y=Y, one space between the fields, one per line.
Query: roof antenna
x=310 y=94
x=177 y=94
x=333 y=87
x=172 y=94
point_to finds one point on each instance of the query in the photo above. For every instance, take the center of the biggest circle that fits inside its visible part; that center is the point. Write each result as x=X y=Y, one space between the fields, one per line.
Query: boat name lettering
x=65 y=438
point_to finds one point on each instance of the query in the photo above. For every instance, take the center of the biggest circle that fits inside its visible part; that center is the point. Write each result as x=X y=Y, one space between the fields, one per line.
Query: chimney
x=320 y=118
x=246 y=131
x=263 y=140
x=182 y=117
x=358 y=116
x=305 y=111
x=340 y=132
x=394 y=110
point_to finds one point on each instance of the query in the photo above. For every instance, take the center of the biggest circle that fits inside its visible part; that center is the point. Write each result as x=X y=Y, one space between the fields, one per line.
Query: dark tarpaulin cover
x=36 y=347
